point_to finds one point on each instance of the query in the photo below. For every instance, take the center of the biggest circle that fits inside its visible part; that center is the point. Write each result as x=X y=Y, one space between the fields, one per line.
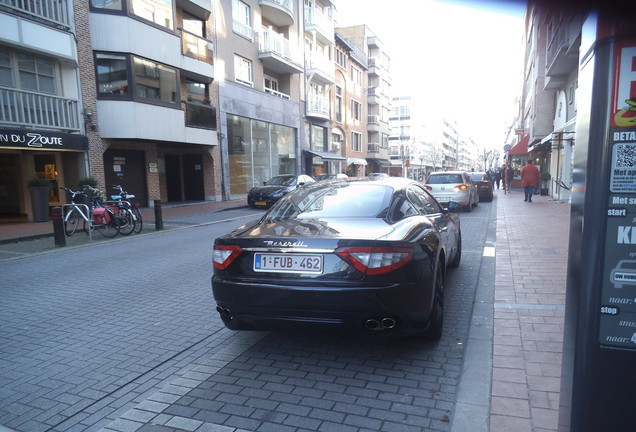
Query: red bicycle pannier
x=101 y=216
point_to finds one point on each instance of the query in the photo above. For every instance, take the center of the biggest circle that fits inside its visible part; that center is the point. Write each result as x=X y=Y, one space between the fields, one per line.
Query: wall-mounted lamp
x=88 y=119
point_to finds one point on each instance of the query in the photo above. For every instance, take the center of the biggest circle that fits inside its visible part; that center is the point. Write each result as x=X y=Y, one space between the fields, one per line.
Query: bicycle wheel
x=108 y=228
x=139 y=223
x=126 y=221
x=71 y=222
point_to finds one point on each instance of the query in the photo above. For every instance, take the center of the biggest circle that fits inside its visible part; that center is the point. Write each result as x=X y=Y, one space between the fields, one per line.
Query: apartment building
x=547 y=110
x=378 y=92
x=150 y=66
x=260 y=90
x=42 y=132
x=349 y=128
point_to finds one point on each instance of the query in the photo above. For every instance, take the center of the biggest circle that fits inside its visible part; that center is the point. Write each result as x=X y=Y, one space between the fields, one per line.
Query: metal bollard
x=58 y=226
x=158 y=216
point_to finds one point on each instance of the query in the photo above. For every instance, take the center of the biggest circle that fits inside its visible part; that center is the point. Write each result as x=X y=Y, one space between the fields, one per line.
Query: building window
x=339 y=104
x=356 y=141
x=160 y=12
x=36 y=73
x=318 y=141
x=112 y=74
x=150 y=80
x=107 y=4
x=356 y=110
x=341 y=58
x=356 y=75
x=197 y=92
x=241 y=19
x=154 y=81
x=243 y=71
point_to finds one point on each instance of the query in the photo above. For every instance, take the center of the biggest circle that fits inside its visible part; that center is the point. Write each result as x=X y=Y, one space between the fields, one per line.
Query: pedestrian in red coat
x=529 y=179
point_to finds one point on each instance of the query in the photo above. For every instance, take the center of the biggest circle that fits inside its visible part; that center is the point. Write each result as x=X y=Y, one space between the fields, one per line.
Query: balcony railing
x=31 y=109
x=321 y=63
x=318 y=104
x=373 y=119
x=373 y=148
x=52 y=11
x=270 y=41
x=276 y=93
x=321 y=21
x=197 y=47
x=200 y=115
x=243 y=30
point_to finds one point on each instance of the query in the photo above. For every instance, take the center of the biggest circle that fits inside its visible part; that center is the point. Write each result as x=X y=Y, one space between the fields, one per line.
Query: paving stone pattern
x=137 y=347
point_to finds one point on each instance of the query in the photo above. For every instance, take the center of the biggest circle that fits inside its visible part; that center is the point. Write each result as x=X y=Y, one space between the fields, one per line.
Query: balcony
x=278 y=12
x=318 y=106
x=373 y=123
x=241 y=29
x=320 y=23
x=199 y=8
x=51 y=12
x=319 y=68
x=197 y=47
x=562 y=55
x=373 y=149
x=278 y=54
x=192 y=124
x=187 y=52
x=276 y=93
x=200 y=115
x=27 y=109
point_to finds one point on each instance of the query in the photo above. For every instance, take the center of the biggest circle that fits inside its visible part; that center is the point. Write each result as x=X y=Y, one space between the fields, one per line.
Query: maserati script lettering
x=285 y=243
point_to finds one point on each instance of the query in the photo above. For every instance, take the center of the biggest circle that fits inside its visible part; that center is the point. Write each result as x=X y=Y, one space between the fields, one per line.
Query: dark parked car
x=321 y=177
x=274 y=189
x=483 y=184
x=368 y=255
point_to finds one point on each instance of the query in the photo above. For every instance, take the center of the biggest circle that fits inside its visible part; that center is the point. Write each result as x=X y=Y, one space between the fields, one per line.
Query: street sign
x=507 y=147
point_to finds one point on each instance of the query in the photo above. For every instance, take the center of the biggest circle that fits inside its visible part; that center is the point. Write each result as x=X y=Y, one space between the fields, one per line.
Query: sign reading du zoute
x=42 y=140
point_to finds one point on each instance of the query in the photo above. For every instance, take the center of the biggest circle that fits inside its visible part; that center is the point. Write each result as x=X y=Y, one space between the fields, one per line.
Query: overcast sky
x=463 y=58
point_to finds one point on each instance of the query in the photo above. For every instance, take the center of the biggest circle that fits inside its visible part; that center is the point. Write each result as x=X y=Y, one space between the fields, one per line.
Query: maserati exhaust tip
x=224 y=312
x=372 y=324
x=388 y=323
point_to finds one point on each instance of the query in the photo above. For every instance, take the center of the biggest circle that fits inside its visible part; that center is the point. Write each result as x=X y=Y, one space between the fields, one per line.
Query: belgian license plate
x=291 y=263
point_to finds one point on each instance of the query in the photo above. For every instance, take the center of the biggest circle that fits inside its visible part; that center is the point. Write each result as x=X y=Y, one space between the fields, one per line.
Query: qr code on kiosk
x=625 y=156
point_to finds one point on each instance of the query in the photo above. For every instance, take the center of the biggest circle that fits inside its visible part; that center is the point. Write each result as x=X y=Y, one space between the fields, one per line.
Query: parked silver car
x=456 y=186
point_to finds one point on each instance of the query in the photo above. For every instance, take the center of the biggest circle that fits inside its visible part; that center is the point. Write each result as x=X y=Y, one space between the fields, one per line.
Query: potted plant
x=90 y=181
x=40 y=198
x=545 y=179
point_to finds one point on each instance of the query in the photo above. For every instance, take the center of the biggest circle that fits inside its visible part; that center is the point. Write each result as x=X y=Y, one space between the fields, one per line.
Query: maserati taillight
x=224 y=255
x=375 y=260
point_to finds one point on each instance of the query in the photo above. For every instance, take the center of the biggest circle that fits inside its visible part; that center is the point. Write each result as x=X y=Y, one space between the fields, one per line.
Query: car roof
x=447 y=172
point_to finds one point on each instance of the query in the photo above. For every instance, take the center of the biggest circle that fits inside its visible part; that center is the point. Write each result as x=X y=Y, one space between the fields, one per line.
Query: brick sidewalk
x=23 y=230
x=531 y=271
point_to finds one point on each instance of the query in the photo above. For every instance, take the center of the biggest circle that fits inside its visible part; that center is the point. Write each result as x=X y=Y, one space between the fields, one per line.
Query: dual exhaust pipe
x=385 y=323
x=224 y=312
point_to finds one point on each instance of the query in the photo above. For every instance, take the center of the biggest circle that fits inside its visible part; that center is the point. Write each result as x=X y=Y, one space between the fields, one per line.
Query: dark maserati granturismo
x=368 y=255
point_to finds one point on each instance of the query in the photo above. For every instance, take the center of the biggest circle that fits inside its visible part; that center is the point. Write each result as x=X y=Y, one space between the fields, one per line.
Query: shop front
x=55 y=157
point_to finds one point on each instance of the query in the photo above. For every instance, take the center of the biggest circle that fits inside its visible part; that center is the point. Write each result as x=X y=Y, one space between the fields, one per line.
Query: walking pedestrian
x=507 y=173
x=529 y=179
x=498 y=178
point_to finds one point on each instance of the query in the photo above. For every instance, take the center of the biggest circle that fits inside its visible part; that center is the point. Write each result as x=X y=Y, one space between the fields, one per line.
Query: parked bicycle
x=120 y=210
x=86 y=210
x=124 y=197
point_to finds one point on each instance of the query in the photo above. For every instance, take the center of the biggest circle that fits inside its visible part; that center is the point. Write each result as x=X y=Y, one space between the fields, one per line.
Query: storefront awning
x=325 y=155
x=384 y=162
x=521 y=147
x=356 y=161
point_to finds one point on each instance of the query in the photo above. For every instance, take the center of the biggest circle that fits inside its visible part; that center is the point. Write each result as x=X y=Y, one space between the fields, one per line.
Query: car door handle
x=444 y=229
